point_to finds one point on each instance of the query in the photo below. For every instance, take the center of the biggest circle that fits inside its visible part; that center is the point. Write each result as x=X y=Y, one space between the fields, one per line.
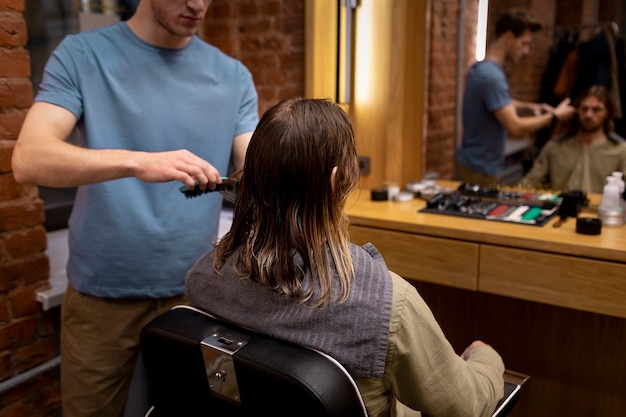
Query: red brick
x=248 y=8
x=9 y=189
x=10 y=121
x=296 y=79
x=25 y=243
x=276 y=42
x=28 y=270
x=5 y=368
x=22 y=214
x=294 y=8
x=610 y=9
x=262 y=63
x=46 y=324
x=296 y=42
x=221 y=10
x=290 y=24
x=290 y=59
x=251 y=43
x=228 y=45
x=273 y=7
x=260 y=26
x=51 y=398
x=17 y=334
x=5 y=280
x=4 y=309
x=6 y=150
x=42 y=279
x=34 y=354
x=14 y=62
x=23 y=302
x=16 y=93
x=288 y=91
x=17 y=5
x=220 y=30
x=19 y=409
x=12 y=30
x=37 y=397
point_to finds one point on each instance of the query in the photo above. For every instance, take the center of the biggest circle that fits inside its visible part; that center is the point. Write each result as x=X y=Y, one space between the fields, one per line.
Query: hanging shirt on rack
x=580 y=62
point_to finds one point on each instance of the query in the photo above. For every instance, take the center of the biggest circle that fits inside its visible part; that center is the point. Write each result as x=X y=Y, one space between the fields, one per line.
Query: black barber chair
x=199 y=366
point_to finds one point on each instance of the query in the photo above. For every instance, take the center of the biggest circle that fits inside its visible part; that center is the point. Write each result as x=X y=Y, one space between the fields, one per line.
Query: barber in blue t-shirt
x=489 y=112
x=155 y=106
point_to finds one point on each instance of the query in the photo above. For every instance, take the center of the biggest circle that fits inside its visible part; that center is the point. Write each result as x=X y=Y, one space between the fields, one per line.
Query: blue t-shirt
x=128 y=238
x=484 y=137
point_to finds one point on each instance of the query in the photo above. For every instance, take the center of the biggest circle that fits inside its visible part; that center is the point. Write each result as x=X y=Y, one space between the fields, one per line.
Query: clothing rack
x=597 y=26
x=567 y=74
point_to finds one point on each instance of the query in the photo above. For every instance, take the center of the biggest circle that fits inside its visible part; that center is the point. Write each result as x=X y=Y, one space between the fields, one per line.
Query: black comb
x=227 y=184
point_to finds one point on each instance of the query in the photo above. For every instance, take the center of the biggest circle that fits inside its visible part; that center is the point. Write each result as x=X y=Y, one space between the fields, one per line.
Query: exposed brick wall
x=570 y=13
x=268 y=37
x=441 y=100
x=611 y=10
x=26 y=332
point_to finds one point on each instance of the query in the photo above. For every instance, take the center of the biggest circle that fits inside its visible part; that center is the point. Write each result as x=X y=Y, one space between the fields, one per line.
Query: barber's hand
x=476 y=343
x=180 y=165
x=541 y=108
x=564 y=111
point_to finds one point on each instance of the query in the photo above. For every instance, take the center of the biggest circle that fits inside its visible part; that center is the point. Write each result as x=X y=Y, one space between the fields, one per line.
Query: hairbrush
x=227 y=184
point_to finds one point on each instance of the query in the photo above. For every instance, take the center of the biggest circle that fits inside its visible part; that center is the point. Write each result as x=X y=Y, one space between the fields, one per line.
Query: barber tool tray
x=492 y=203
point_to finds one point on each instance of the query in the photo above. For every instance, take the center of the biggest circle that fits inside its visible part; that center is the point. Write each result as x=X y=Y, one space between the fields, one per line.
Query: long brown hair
x=287 y=205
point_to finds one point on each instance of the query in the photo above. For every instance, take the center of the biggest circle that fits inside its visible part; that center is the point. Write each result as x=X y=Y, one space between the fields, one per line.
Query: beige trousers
x=99 y=348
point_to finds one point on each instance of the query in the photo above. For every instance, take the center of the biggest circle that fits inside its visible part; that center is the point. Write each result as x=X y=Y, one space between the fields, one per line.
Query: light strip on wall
x=345 y=51
x=481 y=29
x=364 y=56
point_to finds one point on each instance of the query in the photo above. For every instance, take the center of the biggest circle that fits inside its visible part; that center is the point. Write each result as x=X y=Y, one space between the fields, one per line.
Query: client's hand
x=468 y=350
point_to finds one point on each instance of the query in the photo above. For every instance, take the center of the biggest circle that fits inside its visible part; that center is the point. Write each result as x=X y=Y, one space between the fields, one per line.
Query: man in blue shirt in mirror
x=489 y=112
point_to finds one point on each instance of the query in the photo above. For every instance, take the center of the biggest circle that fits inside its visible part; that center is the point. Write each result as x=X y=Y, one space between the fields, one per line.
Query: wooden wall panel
x=567 y=281
x=575 y=359
x=387 y=108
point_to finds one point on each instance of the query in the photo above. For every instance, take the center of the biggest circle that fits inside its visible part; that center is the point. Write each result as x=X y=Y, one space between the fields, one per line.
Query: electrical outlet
x=364 y=165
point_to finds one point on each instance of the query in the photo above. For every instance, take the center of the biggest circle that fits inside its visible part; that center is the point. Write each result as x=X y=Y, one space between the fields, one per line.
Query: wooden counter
x=550 y=300
x=545 y=264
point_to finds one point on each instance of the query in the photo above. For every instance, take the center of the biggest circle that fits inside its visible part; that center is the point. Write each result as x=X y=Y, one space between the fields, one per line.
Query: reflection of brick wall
x=268 y=37
x=442 y=79
x=26 y=332
x=612 y=10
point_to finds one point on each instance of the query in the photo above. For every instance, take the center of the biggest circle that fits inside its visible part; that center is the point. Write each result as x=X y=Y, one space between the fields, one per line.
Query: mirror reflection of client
x=287 y=268
x=490 y=114
x=587 y=153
